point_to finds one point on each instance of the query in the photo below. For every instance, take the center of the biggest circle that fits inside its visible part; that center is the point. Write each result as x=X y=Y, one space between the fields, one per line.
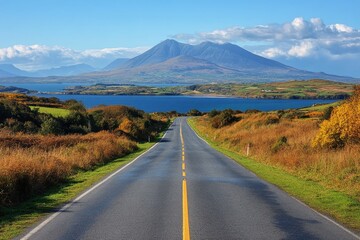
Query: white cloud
x=303 y=49
x=273 y=52
x=298 y=38
x=341 y=28
x=33 y=57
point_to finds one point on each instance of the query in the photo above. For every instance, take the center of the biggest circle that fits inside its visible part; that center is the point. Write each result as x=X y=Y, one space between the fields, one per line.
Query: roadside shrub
x=30 y=164
x=279 y=144
x=213 y=113
x=194 y=112
x=272 y=120
x=343 y=127
x=223 y=119
x=51 y=126
x=252 y=111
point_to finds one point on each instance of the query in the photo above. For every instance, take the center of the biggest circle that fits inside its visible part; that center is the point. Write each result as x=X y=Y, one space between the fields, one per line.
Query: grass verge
x=56 y=112
x=15 y=220
x=341 y=207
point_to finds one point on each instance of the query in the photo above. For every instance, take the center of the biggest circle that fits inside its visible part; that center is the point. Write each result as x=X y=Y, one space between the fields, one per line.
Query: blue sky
x=100 y=31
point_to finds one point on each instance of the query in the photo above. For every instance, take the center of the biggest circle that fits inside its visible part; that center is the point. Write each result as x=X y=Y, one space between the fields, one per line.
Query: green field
x=321 y=107
x=56 y=112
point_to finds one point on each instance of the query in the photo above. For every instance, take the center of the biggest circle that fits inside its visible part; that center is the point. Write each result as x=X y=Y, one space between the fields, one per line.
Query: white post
x=248 y=150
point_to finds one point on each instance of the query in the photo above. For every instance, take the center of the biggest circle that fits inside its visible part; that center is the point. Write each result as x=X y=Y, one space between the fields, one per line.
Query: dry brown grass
x=29 y=164
x=337 y=169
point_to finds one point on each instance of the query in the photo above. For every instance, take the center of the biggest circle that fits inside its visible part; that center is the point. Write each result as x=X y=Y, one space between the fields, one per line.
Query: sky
x=313 y=35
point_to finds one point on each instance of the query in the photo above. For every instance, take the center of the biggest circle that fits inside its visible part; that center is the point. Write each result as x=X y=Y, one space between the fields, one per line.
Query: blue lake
x=168 y=103
x=185 y=103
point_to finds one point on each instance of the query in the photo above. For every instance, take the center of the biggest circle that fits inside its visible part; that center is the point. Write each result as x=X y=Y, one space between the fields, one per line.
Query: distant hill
x=115 y=64
x=4 y=74
x=9 y=70
x=64 y=70
x=12 y=89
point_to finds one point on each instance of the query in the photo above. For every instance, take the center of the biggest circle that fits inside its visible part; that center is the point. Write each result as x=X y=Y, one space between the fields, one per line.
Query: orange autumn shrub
x=343 y=127
x=30 y=164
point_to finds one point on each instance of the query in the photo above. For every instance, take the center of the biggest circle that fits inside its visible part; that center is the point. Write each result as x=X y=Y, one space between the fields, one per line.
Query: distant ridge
x=9 y=70
x=208 y=62
x=115 y=64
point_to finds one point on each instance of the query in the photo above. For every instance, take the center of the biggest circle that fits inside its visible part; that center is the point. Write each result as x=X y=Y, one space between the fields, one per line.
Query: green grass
x=15 y=220
x=321 y=107
x=341 y=207
x=56 y=112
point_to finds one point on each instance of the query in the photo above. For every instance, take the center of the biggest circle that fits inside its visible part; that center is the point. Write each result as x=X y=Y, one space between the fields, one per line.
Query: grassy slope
x=56 y=112
x=321 y=107
x=339 y=206
x=14 y=220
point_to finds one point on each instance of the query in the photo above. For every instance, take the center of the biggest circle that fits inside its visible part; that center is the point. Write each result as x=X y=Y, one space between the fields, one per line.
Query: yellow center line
x=186 y=227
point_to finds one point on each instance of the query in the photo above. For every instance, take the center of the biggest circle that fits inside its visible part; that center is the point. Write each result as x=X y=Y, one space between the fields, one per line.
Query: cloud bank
x=299 y=38
x=306 y=44
x=34 y=57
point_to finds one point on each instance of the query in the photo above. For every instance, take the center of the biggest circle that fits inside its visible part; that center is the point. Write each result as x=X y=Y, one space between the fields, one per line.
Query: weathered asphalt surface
x=144 y=201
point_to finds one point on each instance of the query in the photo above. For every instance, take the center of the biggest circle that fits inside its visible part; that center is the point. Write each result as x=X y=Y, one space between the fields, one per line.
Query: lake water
x=168 y=103
x=183 y=104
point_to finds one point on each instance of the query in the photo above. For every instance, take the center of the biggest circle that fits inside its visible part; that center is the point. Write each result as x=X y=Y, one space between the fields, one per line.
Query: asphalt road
x=181 y=189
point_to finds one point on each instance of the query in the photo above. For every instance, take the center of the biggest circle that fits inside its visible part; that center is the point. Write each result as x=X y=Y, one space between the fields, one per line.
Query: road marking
x=64 y=208
x=186 y=229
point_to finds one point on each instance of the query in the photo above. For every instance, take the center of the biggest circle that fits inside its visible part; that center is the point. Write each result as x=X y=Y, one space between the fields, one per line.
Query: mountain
x=4 y=74
x=174 y=62
x=171 y=61
x=64 y=70
x=226 y=55
x=11 y=71
x=115 y=64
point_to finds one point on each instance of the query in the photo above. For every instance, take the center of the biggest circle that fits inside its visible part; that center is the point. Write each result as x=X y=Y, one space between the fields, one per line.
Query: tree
x=343 y=126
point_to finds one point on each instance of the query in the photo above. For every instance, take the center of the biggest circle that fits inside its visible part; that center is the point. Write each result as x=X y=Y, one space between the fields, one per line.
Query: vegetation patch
x=56 y=112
